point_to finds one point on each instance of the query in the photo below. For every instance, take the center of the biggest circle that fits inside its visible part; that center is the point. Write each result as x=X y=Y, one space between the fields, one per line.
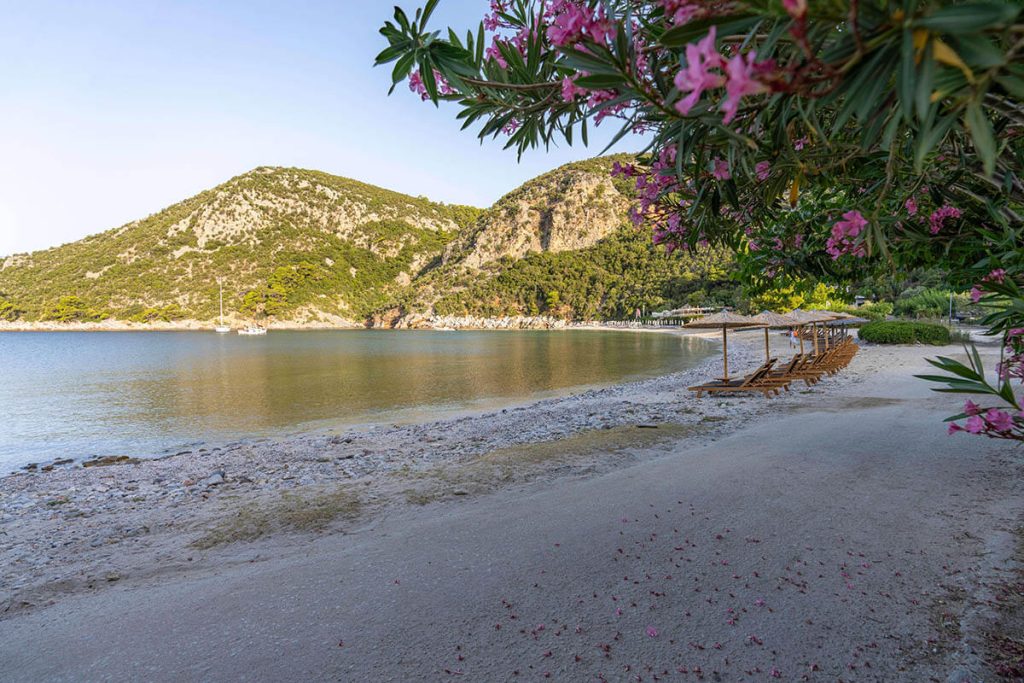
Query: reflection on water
x=79 y=394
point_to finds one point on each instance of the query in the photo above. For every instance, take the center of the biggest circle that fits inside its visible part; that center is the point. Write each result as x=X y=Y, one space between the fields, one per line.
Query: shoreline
x=90 y=516
x=440 y=324
x=405 y=417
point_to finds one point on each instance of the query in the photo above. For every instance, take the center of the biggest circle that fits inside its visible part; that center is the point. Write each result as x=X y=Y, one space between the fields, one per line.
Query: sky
x=111 y=111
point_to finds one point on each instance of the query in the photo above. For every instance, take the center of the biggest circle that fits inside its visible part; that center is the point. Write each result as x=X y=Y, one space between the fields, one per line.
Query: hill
x=288 y=243
x=307 y=247
x=562 y=245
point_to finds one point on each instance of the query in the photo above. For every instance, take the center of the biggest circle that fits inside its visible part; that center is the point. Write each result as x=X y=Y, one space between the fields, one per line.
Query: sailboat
x=221 y=327
x=249 y=330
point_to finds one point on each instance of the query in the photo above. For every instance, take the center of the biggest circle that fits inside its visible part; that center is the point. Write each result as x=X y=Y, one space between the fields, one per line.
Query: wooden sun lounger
x=757 y=381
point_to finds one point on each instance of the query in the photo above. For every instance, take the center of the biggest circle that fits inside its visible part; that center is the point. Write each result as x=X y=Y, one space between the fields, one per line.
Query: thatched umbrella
x=724 y=320
x=828 y=317
x=773 y=320
x=847 y=320
x=811 y=318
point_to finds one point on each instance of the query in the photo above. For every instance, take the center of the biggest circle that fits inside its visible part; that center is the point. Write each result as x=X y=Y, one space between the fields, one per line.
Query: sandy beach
x=622 y=533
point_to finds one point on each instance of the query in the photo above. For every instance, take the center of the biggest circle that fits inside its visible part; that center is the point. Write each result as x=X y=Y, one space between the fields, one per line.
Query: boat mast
x=221 y=283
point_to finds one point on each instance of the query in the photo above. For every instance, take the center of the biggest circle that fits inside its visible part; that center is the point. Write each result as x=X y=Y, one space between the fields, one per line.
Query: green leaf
x=600 y=81
x=970 y=17
x=402 y=67
x=981 y=135
x=728 y=25
x=925 y=79
x=402 y=19
x=905 y=78
x=427 y=11
x=1012 y=84
x=390 y=53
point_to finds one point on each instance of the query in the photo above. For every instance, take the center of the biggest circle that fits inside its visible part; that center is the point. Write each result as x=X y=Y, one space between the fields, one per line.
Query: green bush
x=8 y=311
x=898 y=332
x=928 y=302
x=73 y=309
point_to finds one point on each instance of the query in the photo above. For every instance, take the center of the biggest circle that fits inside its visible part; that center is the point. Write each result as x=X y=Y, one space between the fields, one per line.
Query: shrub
x=898 y=332
x=8 y=311
x=921 y=302
x=73 y=309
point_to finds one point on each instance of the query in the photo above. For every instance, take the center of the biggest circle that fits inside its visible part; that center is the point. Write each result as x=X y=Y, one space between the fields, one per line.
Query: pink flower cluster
x=416 y=85
x=844 y=236
x=998 y=276
x=991 y=422
x=1012 y=365
x=939 y=216
x=493 y=21
x=678 y=12
x=706 y=69
x=571 y=22
x=655 y=186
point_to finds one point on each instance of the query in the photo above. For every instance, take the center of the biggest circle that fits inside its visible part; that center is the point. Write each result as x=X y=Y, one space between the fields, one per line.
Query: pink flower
x=971 y=408
x=493 y=52
x=911 y=206
x=999 y=420
x=679 y=11
x=740 y=83
x=796 y=8
x=954 y=428
x=763 y=169
x=569 y=89
x=652 y=632
x=721 y=170
x=844 y=235
x=568 y=25
x=701 y=57
x=416 y=85
x=799 y=144
x=975 y=424
x=939 y=216
x=573 y=21
x=998 y=275
x=975 y=294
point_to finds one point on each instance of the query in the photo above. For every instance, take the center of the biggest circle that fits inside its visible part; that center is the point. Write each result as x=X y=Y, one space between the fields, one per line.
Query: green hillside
x=304 y=246
x=286 y=242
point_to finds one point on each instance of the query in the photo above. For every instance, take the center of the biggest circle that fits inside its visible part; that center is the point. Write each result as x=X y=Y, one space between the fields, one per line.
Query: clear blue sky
x=110 y=111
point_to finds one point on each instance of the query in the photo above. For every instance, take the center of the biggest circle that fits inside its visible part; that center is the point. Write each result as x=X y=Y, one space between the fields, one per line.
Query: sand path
x=845 y=539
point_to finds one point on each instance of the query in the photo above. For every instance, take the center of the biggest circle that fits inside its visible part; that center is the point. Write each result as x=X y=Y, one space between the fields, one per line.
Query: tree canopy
x=812 y=137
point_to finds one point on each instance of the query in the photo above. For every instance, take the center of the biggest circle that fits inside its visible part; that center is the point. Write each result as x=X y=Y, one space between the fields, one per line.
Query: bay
x=83 y=394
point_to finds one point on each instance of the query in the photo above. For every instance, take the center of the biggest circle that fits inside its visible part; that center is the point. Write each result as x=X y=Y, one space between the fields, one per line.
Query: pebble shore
x=75 y=528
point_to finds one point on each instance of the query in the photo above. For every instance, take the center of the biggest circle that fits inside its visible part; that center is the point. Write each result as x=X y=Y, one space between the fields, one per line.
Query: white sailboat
x=221 y=327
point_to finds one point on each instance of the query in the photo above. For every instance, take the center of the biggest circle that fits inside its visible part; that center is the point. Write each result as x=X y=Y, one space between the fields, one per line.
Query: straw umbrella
x=826 y=316
x=847 y=320
x=723 y=320
x=773 y=320
x=810 y=318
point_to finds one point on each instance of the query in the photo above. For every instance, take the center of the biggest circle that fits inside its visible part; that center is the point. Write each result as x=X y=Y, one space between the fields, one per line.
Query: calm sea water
x=80 y=394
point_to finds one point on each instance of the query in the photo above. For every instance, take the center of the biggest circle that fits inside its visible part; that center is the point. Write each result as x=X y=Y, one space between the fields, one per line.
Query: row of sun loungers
x=770 y=380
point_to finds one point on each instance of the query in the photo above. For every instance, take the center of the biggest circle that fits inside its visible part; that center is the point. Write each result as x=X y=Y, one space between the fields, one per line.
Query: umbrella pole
x=725 y=355
x=815 y=327
x=767 y=352
x=800 y=335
